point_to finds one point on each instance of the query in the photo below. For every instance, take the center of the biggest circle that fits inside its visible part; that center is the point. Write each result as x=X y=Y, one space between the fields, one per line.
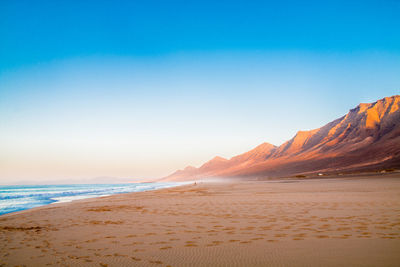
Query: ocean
x=21 y=197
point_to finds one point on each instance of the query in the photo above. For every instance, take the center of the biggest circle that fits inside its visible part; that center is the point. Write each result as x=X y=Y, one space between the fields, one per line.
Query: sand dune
x=319 y=222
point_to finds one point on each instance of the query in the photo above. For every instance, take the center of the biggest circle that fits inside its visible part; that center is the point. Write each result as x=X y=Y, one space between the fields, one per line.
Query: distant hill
x=367 y=138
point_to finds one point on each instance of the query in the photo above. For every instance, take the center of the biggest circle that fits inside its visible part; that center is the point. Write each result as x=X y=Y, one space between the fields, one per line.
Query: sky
x=139 y=89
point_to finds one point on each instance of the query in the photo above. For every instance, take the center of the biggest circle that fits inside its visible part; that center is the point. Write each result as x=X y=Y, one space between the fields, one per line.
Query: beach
x=336 y=221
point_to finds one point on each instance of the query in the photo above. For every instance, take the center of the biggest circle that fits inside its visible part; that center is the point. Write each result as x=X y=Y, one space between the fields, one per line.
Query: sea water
x=22 y=197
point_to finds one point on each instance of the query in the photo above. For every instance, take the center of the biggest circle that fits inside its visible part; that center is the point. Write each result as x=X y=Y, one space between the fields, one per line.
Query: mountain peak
x=374 y=112
x=218 y=158
x=264 y=146
x=189 y=168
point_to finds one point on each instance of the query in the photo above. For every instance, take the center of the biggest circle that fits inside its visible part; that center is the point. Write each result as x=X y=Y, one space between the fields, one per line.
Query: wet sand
x=320 y=222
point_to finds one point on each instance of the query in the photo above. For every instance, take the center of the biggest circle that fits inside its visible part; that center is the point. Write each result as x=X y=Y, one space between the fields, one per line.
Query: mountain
x=366 y=138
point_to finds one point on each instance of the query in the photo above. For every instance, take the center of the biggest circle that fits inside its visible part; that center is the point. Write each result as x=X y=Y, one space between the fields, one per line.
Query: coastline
x=43 y=195
x=67 y=203
x=327 y=221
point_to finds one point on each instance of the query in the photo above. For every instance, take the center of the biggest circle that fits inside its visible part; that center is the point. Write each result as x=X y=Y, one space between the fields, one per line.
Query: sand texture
x=320 y=222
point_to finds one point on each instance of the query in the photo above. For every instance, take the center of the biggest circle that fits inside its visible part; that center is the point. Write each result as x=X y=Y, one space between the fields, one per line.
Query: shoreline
x=315 y=222
x=57 y=202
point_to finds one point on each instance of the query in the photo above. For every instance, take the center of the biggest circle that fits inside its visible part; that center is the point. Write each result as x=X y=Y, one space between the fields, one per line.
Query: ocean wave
x=17 y=198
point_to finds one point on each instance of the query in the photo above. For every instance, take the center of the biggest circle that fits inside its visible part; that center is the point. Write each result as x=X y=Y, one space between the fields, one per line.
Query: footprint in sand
x=280 y=235
x=149 y=234
x=215 y=243
x=129 y=236
x=190 y=244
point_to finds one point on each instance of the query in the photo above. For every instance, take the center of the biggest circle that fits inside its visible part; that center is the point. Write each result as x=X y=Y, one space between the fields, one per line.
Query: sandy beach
x=353 y=221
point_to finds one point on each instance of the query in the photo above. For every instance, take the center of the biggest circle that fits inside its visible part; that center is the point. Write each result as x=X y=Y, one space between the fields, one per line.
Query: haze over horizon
x=135 y=90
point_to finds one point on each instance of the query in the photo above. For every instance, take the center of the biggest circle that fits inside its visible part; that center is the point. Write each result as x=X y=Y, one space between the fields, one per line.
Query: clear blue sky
x=139 y=89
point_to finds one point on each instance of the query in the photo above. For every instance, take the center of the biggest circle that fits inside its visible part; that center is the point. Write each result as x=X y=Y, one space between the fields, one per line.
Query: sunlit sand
x=316 y=222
